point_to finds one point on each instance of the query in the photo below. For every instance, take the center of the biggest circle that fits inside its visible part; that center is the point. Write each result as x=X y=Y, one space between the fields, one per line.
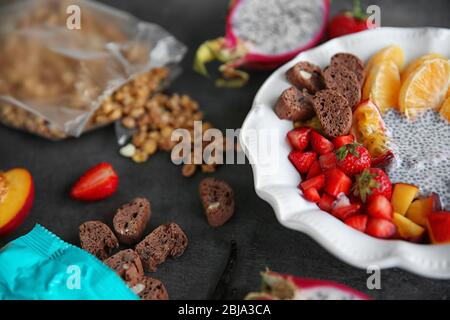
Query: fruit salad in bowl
x=363 y=125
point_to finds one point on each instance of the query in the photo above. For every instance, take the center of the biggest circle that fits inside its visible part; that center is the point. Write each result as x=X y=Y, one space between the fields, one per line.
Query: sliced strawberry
x=97 y=183
x=302 y=161
x=342 y=141
x=345 y=212
x=358 y=222
x=337 y=182
x=326 y=202
x=320 y=144
x=380 y=207
x=328 y=161
x=312 y=195
x=317 y=183
x=314 y=170
x=380 y=228
x=299 y=138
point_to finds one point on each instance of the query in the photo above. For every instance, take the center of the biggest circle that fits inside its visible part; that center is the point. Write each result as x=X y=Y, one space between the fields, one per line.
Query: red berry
x=97 y=183
x=353 y=158
x=380 y=228
x=317 y=183
x=380 y=207
x=345 y=212
x=299 y=138
x=337 y=182
x=328 y=161
x=312 y=195
x=326 y=202
x=314 y=170
x=358 y=222
x=302 y=161
x=320 y=144
x=342 y=141
x=372 y=182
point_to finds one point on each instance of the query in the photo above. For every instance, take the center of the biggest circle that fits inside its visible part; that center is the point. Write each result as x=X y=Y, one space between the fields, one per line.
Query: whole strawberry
x=372 y=182
x=353 y=158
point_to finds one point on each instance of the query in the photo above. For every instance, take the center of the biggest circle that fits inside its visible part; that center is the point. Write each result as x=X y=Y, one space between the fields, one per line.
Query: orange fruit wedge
x=382 y=85
x=425 y=88
x=445 y=109
x=418 y=62
x=393 y=53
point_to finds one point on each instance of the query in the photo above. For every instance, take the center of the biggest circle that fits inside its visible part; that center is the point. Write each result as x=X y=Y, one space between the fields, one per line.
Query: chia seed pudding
x=422 y=152
x=277 y=26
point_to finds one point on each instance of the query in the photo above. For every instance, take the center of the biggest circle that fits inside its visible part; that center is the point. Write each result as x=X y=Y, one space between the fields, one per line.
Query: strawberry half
x=326 y=203
x=317 y=183
x=328 y=161
x=380 y=228
x=345 y=212
x=358 y=222
x=312 y=195
x=353 y=158
x=97 y=183
x=341 y=141
x=320 y=144
x=299 y=138
x=372 y=182
x=380 y=207
x=337 y=182
x=302 y=161
x=314 y=170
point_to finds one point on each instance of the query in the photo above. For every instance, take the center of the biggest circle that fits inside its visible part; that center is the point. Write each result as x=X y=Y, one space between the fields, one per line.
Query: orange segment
x=445 y=109
x=418 y=62
x=425 y=88
x=383 y=85
x=392 y=53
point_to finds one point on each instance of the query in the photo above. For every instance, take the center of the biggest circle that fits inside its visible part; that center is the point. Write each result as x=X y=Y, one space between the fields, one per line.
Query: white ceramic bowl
x=277 y=184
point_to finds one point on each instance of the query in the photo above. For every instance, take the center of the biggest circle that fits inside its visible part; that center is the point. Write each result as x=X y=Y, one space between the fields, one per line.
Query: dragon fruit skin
x=276 y=286
x=234 y=53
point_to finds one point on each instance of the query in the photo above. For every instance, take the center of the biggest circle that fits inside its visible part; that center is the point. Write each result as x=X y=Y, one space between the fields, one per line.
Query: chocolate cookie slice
x=97 y=238
x=295 y=105
x=131 y=219
x=351 y=62
x=345 y=82
x=305 y=75
x=167 y=240
x=218 y=201
x=334 y=113
x=150 y=289
x=127 y=265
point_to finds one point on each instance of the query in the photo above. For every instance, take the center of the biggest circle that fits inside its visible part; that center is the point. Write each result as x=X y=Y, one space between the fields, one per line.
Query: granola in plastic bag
x=57 y=74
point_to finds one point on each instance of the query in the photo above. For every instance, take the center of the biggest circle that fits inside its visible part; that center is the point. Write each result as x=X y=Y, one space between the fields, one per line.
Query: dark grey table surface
x=262 y=241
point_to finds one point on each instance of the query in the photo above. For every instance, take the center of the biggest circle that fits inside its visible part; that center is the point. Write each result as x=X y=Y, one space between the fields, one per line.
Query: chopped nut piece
x=128 y=151
x=188 y=170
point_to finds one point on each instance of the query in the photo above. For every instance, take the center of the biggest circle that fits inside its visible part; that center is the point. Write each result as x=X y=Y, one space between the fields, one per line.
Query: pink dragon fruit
x=263 y=35
x=276 y=286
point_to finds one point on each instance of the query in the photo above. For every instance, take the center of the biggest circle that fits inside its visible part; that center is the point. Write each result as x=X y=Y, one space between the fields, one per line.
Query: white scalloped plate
x=279 y=186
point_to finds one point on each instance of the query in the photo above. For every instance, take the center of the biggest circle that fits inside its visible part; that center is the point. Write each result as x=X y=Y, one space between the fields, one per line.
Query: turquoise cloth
x=41 y=266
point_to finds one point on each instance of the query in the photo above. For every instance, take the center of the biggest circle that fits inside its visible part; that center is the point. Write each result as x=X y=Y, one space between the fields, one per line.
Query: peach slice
x=402 y=197
x=407 y=229
x=16 y=198
x=439 y=227
x=421 y=208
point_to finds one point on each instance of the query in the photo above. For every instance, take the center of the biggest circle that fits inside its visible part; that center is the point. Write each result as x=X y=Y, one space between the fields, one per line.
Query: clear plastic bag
x=56 y=79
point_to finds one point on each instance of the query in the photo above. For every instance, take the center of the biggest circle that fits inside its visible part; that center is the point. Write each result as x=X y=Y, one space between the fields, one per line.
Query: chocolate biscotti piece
x=150 y=289
x=131 y=219
x=127 y=265
x=295 y=105
x=305 y=75
x=167 y=240
x=218 y=201
x=351 y=62
x=334 y=113
x=97 y=238
x=345 y=82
